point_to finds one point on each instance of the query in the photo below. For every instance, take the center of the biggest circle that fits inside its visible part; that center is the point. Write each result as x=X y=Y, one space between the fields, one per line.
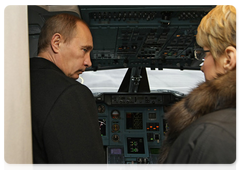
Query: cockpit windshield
x=159 y=80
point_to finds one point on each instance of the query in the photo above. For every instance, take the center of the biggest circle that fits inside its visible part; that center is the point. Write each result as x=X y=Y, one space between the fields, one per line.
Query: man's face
x=75 y=54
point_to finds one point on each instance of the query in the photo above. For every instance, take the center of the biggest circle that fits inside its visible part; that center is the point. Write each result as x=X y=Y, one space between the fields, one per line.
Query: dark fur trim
x=210 y=96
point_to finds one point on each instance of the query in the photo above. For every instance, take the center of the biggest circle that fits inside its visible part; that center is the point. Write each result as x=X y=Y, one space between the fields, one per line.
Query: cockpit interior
x=131 y=42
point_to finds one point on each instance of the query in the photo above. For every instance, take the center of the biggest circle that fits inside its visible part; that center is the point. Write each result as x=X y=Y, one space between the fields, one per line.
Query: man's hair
x=64 y=24
x=217 y=30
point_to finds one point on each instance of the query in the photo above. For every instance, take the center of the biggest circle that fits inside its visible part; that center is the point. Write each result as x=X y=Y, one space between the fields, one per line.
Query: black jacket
x=211 y=143
x=64 y=117
x=201 y=125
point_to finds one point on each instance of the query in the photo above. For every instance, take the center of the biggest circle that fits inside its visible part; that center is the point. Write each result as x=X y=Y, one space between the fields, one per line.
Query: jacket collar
x=209 y=96
x=42 y=63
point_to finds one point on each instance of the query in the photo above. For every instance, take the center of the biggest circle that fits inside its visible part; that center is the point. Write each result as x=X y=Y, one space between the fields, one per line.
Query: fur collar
x=209 y=96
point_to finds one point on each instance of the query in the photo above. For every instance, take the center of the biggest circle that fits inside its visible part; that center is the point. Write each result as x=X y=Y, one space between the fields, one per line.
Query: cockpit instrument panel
x=133 y=125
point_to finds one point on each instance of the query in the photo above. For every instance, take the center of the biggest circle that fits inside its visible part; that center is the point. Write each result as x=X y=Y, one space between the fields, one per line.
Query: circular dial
x=101 y=109
x=115 y=127
x=115 y=138
x=115 y=114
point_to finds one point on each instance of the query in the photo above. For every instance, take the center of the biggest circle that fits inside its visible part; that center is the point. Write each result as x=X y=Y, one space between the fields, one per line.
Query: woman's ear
x=230 y=60
x=55 y=42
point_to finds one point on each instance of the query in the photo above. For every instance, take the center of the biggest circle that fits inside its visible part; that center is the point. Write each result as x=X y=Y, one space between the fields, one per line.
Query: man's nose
x=87 y=62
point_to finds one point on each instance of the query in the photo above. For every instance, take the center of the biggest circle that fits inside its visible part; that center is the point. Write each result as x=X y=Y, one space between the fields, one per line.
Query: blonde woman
x=202 y=127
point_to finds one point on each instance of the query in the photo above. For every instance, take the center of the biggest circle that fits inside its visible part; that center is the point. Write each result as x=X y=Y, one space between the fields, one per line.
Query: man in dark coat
x=64 y=114
x=202 y=127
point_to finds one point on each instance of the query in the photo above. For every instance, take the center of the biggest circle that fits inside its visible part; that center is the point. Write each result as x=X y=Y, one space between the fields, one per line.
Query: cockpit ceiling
x=145 y=33
x=57 y=2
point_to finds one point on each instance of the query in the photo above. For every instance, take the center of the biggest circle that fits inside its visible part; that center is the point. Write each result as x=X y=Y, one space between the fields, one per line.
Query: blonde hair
x=217 y=30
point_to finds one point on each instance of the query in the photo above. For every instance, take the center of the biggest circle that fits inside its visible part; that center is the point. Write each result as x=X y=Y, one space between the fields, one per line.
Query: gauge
x=101 y=108
x=115 y=138
x=115 y=127
x=115 y=114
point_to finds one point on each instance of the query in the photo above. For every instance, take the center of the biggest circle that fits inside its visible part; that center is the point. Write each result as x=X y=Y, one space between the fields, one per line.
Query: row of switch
x=123 y=15
x=152 y=126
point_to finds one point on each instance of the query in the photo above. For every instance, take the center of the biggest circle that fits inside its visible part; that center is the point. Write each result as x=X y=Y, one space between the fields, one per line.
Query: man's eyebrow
x=89 y=47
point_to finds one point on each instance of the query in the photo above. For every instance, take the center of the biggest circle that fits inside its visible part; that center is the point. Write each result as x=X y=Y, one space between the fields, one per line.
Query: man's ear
x=230 y=60
x=55 y=42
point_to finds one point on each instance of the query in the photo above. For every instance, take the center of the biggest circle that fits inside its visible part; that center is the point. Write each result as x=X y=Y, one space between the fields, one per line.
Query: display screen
x=116 y=151
x=154 y=150
x=102 y=126
x=134 y=120
x=135 y=145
